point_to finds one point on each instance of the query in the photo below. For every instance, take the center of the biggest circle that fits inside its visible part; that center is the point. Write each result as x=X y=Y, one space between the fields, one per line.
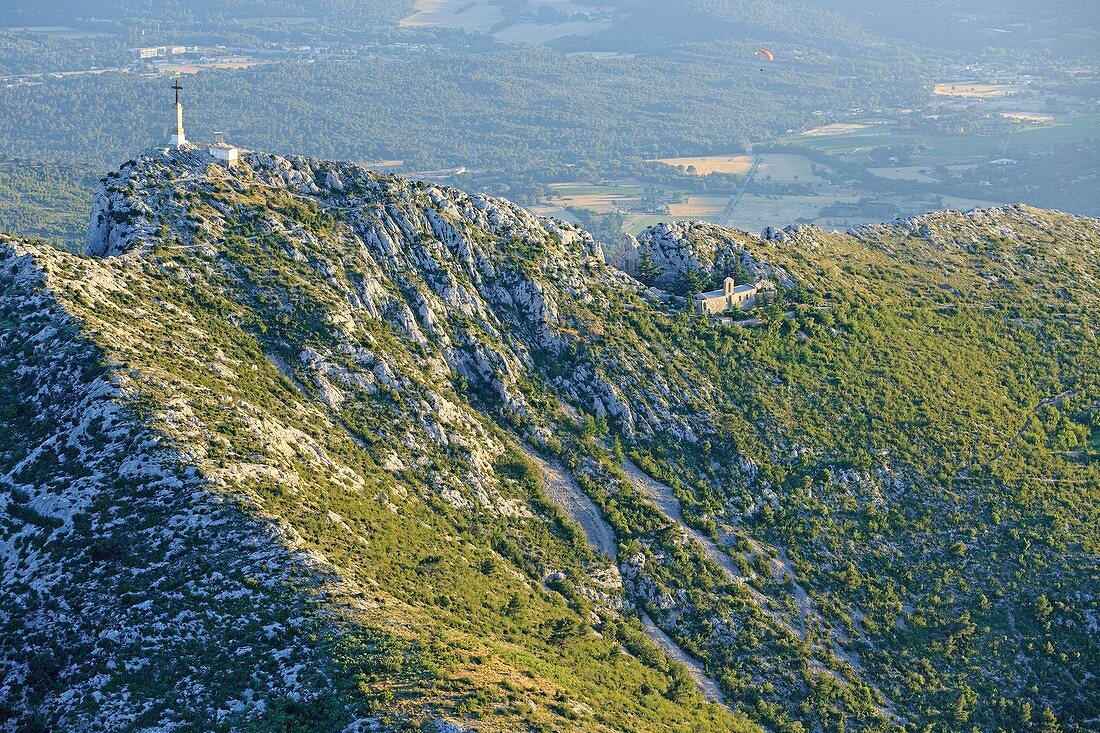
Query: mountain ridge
x=366 y=360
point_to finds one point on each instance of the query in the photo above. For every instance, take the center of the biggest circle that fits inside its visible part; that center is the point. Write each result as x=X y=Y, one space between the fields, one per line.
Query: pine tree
x=649 y=272
x=1048 y=723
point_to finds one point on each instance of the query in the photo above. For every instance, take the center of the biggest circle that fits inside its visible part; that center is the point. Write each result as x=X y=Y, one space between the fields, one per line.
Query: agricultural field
x=786 y=168
x=601 y=199
x=850 y=143
x=700 y=207
x=1064 y=129
x=196 y=68
x=966 y=204
x=837 y=128
x=871 y=169
x=703 y=165
x=375 y=165
x=537 y=33
x=461 y=14
x=755 y=212
x=773 y=166
x=905 y=173
x=976 y=90
x=1028 y=117
x=555 y=212
x=1036 y=132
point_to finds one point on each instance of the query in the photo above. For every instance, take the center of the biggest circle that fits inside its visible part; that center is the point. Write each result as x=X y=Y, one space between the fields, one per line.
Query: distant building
x=152 y=52
x=730 y=297
x=223 y=151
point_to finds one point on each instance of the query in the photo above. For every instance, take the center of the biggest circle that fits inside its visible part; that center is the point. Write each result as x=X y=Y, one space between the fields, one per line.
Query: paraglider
x=764 y=55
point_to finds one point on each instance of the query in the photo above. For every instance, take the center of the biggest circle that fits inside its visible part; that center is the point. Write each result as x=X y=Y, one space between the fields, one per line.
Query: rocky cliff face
x=666 y=252
x=413 y=406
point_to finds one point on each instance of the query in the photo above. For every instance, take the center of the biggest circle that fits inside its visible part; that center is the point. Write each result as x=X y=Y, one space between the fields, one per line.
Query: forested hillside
x=522 y=109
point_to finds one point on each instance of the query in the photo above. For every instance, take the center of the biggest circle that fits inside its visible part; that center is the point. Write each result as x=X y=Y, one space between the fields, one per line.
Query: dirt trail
x=561 y=489
x=564 y=491
x=667 y=502
x=707 y=685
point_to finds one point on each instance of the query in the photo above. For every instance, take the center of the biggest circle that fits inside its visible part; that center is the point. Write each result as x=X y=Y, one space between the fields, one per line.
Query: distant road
x=727 y=213
x=40 y=74
x=182 y=68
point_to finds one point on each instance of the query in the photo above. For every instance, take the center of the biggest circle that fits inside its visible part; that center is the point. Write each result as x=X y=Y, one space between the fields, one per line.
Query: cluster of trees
x=45 y=200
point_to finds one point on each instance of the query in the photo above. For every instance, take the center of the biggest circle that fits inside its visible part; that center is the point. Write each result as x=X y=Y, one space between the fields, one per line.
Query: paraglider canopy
x=766 y=54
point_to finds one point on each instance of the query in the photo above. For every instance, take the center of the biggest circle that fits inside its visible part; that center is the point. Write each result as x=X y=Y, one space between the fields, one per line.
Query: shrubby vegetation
x=949 y=392
x=45 y=200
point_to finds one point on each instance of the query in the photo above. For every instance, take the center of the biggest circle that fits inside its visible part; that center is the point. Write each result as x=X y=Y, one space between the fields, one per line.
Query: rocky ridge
x=359 y=363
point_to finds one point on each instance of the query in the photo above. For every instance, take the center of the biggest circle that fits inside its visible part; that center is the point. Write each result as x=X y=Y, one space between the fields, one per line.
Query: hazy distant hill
x=169 y=13
x=1070 y=27
x=645 y=25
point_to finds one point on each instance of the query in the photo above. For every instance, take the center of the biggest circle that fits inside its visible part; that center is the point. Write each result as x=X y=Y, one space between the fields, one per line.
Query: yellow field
x=975 y=91
x=840 y=128
x=595 y=197
x=600 y=203
x=705 y=164
x=1027 y=117
x=701 y=207
x=454 y=14
x=779 y=167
